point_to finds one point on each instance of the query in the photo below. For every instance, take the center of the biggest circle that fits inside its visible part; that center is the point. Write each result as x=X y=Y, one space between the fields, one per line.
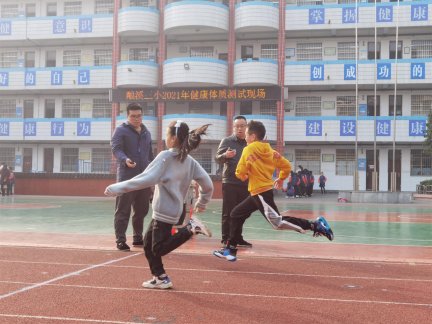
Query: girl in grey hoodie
x=171 y=172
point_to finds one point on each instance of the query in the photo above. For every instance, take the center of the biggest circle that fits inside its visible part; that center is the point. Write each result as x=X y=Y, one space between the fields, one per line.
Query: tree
x=428 y=134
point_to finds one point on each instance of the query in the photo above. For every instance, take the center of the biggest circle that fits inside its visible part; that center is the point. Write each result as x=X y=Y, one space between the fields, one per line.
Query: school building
x=342 y=86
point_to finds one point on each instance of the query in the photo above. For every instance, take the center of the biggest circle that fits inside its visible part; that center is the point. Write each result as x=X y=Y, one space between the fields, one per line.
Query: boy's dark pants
x=252 y=204
x=159 y=241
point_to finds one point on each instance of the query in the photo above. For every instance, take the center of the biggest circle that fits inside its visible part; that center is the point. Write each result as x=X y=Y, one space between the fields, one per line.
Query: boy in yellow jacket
x=257 y=164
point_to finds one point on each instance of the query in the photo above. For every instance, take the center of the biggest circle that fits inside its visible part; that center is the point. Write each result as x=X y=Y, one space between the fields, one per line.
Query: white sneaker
x=198 y=227
x=158 y=283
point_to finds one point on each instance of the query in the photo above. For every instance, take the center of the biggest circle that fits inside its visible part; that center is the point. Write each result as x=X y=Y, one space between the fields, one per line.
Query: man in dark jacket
x=131 y=145
x=234 y=190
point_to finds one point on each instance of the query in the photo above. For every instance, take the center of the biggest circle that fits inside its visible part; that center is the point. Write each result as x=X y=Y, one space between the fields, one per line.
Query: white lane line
x=68 y=319
x=225 y=294
x=44 y=283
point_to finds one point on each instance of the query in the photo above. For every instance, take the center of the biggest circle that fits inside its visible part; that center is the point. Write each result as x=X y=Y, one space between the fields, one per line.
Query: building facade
x=343 y=87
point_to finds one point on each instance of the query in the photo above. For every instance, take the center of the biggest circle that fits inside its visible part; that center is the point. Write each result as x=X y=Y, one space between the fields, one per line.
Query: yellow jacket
x=258 y=163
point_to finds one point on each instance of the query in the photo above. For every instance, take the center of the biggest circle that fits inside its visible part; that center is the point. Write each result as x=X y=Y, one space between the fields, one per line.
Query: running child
x=257 y=163
x=171 y=172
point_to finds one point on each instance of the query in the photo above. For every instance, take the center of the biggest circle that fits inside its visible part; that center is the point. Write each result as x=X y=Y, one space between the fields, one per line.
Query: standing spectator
x=322 y=181
x=11 y=183
x=4 y=179
x=131 y=145
x=234 y=190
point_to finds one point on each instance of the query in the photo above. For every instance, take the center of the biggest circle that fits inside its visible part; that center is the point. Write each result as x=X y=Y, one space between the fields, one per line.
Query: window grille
x=269 y=51
x=421 y=49
x=309 y=2
x=49 y=108
x=72 y=8
x=345 y=162
x=138 y=54
x=392 y=50
x=51 y=59
x=71 y=108
x=52 y=9
x=30 y=9
x=202 y=51
x=347 y=1
x=104 y=6
x=102 y=108
x=308 y=106
x=69 y=159
x=345 y=105
x=398 y=105
x=8 y=59
x=204 y=107
x=101 y=160
x=139 y=3
x=102 y=57
x=421 y=105
x=372 y=52
x=204 y=157
x=346 y=50
x=7 y=108
x=7 y=155
x=309 y=51
x=72 y=58
x=9 y=11
x=268 y=108
x=421 y=163
x=309 y=159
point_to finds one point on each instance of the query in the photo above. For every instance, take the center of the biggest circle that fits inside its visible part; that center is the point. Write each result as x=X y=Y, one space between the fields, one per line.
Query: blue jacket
x=126 y=143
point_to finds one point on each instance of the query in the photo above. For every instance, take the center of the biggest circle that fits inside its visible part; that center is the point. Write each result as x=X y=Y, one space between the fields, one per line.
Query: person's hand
x=278 y=184
x=198 y=209
x=109 y=192
x=230 y=153
x=130 y=163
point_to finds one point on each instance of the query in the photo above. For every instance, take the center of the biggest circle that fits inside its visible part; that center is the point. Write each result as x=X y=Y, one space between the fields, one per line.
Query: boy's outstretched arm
x=242 y=170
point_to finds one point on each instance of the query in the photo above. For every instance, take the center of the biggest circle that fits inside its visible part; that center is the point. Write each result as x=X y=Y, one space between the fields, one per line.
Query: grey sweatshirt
x=172 y=179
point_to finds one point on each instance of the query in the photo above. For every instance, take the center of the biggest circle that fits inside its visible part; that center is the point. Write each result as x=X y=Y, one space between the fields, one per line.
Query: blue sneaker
x=321 y=227
x=227 y=253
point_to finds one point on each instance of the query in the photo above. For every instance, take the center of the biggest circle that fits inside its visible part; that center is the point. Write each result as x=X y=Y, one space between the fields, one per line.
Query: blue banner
x=313 y=127
x=347 y=128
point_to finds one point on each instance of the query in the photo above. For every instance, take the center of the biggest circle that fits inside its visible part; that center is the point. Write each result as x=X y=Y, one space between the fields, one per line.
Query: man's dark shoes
x=244 y=244
x=122 y=246
x=138 y=243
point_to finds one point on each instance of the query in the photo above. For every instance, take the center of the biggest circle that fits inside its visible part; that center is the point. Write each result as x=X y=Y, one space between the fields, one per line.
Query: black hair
x=133 y=106
x=239 y=117
x=257 y=128
x=186 y=140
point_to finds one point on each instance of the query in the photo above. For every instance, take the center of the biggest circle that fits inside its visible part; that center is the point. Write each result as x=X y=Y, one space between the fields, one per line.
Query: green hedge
x=426 y=182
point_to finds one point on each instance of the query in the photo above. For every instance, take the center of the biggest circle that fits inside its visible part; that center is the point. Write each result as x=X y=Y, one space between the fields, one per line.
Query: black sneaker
x=244 y=244
x=138 y=243
x=122 y=246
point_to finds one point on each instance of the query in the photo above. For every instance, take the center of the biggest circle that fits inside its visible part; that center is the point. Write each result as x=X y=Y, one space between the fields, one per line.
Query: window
x=371 y=106
x=104 y=6
x=309 y=51
x=49 y=108
x=69 y=159
x=102 y=57
x=29 y=108
x=392 y=50
x=345 y=162
x=101 y=108
x=51 y=9
x=204 y=157
x=138 y=54
x=72 y=58
x=246 y=51
x=7 y=108
x=202 y=51
x=309 y=2
x=50 y=59
x=421 y=49
x=223 y=56
x=246 y=108
x=421 y=105
x=8 y=59
x=9 y=11
x=345 y=105
x=346 y=51
x=72 y=8
x=7 y=155
x=71 y=108
x=421 y=163
x=309 y=159
x=139 y=3
x=371 y=50
x=203 y=107
x=308 y=106
x=268 y=108
x=30 y=10
x=29 y=58
x=101 y=160
x=269 y=51
x=398 y=105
